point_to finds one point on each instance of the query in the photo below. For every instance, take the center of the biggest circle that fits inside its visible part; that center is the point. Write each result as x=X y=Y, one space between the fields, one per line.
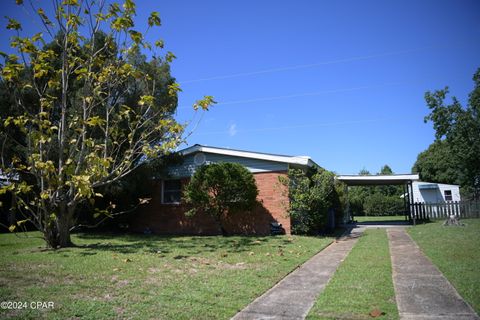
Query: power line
x=305 y=66
x=301 y=126
x=306 y=94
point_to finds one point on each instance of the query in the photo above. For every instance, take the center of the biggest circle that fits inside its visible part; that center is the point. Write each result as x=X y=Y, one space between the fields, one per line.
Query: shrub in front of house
x=220 y=189
x=312 y=194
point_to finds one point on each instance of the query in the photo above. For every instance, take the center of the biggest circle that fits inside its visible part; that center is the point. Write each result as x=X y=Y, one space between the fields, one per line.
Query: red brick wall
x=170 y=219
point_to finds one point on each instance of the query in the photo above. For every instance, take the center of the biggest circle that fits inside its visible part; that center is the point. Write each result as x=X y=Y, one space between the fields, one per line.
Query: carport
x=404 y=180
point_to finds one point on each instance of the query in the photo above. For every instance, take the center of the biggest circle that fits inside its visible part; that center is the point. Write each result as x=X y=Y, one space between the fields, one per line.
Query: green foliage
x=379 y=204
x=436 y=164
x=312 y=194
x=376 y=200
x=356 y=199
x=357 y=195
x=458 y=129
x=219 y=189
x=154 y=19
x=83 y=111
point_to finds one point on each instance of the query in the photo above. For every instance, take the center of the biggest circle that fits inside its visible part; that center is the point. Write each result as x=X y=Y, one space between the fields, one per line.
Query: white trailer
x=429 y=192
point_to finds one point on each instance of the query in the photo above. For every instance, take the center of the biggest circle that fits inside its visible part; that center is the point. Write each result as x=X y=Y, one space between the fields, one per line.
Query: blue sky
x=340 y=81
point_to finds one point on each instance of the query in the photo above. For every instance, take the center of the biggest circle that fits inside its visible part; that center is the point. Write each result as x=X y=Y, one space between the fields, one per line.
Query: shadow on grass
x=393 y=222
x=426 y=221
x=383 y=223
x=192 y=245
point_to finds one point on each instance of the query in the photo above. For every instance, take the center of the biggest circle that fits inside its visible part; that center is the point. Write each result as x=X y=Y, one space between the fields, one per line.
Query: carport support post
x=410 y=200
x=405 y=208
x=347 y=218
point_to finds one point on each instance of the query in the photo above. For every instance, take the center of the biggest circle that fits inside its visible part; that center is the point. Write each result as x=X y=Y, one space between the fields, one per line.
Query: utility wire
x=311 y=125
x=306 y=66
x=306 y=94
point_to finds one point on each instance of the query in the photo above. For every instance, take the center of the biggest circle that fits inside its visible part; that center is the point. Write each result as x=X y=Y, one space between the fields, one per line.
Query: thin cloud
x=232 y=130
x=313 y=125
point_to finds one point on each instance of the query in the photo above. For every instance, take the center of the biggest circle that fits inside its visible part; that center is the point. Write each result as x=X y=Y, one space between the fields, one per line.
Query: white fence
x=461 y=209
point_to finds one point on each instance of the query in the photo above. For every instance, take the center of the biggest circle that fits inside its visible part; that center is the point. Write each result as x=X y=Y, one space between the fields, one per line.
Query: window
x=448 y=195
x=172 y=191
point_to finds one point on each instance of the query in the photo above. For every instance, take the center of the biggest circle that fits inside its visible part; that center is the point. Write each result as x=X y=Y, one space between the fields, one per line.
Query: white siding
x=435 y=192
x=188 y=167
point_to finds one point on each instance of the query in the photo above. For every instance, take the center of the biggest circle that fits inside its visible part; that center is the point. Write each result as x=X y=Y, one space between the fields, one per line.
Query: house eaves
x=295 y=160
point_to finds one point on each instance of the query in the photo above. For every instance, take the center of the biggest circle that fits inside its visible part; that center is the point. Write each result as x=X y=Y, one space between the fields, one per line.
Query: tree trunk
x=57 y=232
x=218 y=219
x=64 y=225
x=224 y=231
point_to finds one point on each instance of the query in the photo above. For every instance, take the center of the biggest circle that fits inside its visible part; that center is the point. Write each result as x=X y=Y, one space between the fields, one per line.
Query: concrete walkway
x=294 y=296
x=421 y=290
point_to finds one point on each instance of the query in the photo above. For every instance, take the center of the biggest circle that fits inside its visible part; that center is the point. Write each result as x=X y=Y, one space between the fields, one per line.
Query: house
x=6 y=179
x=7 y=217
x=165 y=214
x=428 y=192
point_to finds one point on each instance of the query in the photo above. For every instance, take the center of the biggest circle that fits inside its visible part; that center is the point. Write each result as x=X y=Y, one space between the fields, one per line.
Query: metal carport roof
x=378 y=180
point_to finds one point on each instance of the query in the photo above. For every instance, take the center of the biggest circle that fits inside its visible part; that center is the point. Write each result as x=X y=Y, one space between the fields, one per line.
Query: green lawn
x=146 y=277
x=378 y=218
x=456 y=252
x=361 y=284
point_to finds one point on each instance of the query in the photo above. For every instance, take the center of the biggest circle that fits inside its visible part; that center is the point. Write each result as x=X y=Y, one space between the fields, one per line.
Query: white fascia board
x=448 y=185
x=438 y=184
x=190 y=150
x=304 y=161
x=413 y=177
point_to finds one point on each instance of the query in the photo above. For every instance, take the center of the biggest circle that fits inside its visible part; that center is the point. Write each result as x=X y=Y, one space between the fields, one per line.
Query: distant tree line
x=376 y=200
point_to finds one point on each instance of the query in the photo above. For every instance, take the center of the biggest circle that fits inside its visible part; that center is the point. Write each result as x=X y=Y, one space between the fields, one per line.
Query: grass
x=456 y=252
x=146 y=277
x=379 y=218
x=361 y=284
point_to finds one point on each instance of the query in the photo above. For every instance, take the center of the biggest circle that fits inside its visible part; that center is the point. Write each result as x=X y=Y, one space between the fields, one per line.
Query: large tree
x=87 y=109
x=438 y=164
x=457 y=133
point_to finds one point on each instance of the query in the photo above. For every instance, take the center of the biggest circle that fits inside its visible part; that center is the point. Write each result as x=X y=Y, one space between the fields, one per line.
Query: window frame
x=172 y=190
x=450 y=195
